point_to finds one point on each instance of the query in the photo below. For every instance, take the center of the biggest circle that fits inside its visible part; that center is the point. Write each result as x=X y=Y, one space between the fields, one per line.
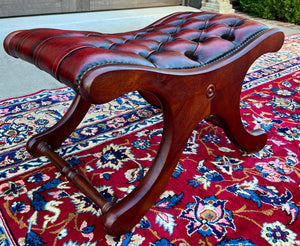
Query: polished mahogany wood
x=157 y=61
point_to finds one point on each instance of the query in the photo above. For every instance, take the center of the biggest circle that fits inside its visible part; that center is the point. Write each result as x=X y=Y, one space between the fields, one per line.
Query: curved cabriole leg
x=55 y=135
x=125 y=214
x=225 y=112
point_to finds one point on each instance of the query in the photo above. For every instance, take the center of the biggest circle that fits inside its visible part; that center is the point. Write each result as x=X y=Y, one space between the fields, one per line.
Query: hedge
x=283 y=10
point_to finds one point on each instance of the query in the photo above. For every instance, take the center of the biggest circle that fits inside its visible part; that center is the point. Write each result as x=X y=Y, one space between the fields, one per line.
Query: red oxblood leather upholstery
x=178 y=41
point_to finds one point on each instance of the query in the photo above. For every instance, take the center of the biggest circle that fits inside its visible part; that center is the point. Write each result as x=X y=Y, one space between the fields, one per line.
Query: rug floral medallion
x=218 y=195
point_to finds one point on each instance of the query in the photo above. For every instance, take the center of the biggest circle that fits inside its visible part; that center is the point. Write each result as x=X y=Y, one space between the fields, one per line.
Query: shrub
x=284 y=10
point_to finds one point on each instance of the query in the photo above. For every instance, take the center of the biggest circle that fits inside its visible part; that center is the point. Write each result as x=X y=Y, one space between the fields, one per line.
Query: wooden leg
x=225 y=112
x=125 y=214
x=56 y=134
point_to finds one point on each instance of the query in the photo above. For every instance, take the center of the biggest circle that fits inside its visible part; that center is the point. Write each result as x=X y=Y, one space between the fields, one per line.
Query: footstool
x=191 y=64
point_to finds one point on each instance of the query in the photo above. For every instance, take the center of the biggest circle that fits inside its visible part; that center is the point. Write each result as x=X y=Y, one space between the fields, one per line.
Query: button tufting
x=190 y=54
x=228 y=36
x=198 y=40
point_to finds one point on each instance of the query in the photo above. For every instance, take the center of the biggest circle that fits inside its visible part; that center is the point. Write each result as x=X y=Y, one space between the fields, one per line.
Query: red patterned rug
x=218 y=195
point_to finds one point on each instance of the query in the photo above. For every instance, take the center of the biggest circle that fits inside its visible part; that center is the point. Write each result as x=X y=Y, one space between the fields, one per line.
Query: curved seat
x=179 y=41
x=191 y=64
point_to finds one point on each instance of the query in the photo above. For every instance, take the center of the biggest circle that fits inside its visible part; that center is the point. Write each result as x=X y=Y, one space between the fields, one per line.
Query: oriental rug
x=218 y=195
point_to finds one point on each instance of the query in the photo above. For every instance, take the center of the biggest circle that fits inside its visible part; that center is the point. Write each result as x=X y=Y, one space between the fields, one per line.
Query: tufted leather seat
x=190 y=64
x=179 y=41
